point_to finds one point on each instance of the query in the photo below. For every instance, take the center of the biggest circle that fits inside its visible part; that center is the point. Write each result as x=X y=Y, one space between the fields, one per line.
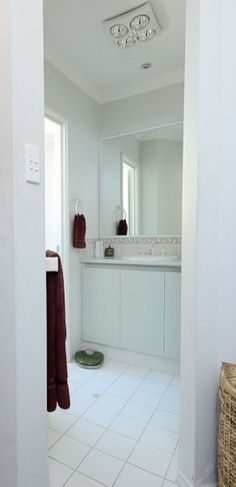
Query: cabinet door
x=101 y=300
x=142 y=310
x=172 y=314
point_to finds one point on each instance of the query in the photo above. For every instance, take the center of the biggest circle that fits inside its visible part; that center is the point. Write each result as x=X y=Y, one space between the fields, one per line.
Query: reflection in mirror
x=141 y=183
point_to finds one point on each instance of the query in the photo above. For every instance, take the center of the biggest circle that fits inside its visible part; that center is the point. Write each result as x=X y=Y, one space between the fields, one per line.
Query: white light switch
x=32 y=164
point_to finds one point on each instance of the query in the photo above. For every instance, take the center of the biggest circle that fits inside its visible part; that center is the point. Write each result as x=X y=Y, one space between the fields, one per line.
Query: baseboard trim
x=135 y=358
x=183 y=481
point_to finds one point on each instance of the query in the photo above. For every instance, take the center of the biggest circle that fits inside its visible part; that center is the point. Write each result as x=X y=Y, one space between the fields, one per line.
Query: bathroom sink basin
x=152 y=258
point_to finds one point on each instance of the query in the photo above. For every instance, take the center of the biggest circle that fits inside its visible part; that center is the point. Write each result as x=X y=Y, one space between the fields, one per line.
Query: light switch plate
x=32 y=164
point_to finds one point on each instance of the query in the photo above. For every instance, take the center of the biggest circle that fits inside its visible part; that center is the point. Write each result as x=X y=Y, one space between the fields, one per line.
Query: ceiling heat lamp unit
x=134 y=26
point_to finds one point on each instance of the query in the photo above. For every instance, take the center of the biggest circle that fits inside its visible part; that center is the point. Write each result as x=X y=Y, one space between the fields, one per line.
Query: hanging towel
x=57 y=387
x=122 y=228
x=79 y=231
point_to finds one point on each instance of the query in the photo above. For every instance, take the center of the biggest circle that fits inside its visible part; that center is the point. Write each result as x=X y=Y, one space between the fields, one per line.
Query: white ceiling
x=77 y=44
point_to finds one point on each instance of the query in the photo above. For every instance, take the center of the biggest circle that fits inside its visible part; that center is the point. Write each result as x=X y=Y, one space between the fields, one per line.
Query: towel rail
x=51 y=264
x=78 y=204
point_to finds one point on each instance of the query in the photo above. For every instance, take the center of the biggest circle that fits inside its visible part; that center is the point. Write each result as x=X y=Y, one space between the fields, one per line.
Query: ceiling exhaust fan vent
x=133 y=27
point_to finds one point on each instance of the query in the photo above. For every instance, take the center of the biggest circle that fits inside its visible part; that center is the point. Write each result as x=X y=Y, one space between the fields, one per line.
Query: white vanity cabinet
x=142 y=310
x=172 y=315
x=101 y=305
x=135 y=308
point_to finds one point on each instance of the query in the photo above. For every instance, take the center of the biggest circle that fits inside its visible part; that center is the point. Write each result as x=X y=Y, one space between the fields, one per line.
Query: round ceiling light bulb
x=118 y=30
x=150 y=33
x=139 y=22
x=122 y=43
x=146 y=35
x=142 y=36
x=128 y=41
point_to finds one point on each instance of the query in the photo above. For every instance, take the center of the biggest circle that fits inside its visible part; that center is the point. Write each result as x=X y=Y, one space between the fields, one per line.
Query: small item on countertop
x=98 y=248
x=109 y=252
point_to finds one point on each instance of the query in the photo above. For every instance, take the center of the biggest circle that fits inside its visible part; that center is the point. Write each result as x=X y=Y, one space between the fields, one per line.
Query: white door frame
x=55 y=117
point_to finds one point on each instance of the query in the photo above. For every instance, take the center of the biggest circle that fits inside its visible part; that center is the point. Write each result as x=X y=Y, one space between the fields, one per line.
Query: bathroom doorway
x=53 y=185
x=56 y=193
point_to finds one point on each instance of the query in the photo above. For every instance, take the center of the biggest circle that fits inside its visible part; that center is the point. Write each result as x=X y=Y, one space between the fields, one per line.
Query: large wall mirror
x=141 y=183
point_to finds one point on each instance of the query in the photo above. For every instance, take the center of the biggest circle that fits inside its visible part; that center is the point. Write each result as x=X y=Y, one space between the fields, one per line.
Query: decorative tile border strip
x=162 y=239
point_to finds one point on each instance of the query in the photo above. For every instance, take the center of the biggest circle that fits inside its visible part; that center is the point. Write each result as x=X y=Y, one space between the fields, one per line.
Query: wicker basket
x=227 y=427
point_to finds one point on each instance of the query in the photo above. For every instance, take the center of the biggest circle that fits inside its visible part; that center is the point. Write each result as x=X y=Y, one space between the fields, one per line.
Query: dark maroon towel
x=57 y=387
x=122 y=228
x=79 y=231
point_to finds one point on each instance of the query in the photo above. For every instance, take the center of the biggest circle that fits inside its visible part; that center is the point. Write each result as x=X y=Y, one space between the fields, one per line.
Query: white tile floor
x=121 y=430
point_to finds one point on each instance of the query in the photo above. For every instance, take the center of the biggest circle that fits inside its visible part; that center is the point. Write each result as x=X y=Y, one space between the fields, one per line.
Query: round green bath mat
x=89 y=359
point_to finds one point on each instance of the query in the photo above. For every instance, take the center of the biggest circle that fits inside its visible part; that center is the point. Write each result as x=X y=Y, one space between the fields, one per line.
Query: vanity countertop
x=131 y=261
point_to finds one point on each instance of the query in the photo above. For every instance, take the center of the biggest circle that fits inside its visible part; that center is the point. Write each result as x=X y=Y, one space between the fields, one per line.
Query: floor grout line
x=137 y=441
x=90 y=447
x=77 y=418
x=86 y=476
x=126 y=462
x=107 y=428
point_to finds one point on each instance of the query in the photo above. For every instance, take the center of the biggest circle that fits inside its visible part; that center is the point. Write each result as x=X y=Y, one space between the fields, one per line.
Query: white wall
x=149 y=195
x=162 y=163
x=23 y=440
x=136 y=113
x=169 y=187
x=111 y=150
x=209 y=199
x=8 y=440
x=82 y=115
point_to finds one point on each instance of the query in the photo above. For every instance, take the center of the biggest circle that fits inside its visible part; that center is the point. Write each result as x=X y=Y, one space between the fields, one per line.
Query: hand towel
x=57 y=387
x=79 y=231
x=122 y=228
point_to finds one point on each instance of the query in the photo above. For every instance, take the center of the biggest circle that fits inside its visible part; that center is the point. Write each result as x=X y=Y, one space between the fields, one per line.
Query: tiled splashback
x=127 y=246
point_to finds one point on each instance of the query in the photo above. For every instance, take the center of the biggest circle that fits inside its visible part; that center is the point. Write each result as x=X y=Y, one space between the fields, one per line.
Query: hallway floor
x=121 y=430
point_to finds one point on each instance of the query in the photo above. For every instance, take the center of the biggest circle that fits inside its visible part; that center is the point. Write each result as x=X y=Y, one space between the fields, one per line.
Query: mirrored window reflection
x=129 y=193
